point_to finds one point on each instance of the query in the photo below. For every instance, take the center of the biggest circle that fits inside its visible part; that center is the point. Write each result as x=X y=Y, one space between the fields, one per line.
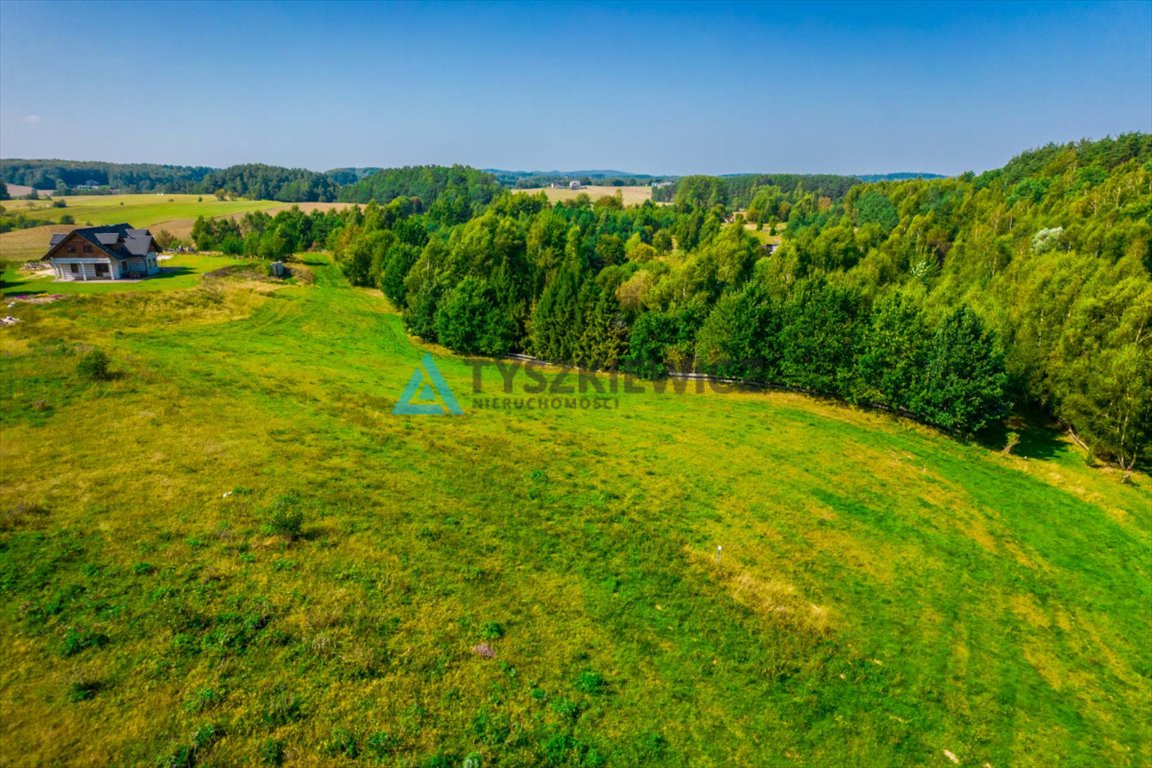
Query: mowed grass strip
x=182 y=271
x=231 y=550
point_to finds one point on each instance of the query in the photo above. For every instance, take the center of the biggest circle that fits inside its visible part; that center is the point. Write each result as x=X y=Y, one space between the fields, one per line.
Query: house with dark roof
x=116 y=252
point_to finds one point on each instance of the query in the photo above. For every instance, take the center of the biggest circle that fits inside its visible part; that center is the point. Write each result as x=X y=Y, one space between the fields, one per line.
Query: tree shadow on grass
x=167 y=272
x=20 y=286
x=1038 y=437
x=39 y=285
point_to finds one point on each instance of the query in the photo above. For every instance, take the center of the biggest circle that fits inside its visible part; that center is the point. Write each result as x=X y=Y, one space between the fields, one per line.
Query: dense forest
x=737 y=191
x=450 y=195
x=345 y=176
x=291 y=185
x=953 y=301
x=269 y=182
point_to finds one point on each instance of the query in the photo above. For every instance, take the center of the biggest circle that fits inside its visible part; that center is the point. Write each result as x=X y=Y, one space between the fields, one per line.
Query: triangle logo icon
x=427 y=393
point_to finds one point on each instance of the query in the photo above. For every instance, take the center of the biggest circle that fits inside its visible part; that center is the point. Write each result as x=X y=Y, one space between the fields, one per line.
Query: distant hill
x=254 y=180
x=346 y=176
x=88 y=175
x=450 y=195
x=607 y=178
x=902 y=176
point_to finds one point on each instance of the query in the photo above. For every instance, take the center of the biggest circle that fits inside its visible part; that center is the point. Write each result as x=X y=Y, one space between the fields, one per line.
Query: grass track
x=884 y=593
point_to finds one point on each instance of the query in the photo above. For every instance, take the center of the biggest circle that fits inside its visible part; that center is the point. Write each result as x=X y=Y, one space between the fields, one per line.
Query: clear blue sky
x=648 y=87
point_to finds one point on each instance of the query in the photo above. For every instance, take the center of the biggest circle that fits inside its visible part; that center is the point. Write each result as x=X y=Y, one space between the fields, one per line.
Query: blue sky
x=655 y=87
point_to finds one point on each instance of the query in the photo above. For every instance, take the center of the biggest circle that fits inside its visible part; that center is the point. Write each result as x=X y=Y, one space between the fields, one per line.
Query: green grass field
x=140 y=210
x=182 y=271
x=528 y=588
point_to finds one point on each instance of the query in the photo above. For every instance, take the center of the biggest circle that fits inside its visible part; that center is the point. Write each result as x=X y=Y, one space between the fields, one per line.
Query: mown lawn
x=182 y=271
x=528 y=587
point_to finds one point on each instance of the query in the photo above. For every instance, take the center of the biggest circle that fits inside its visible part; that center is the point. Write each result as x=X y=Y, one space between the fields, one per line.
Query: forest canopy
x=956 y=302
x=953 y=301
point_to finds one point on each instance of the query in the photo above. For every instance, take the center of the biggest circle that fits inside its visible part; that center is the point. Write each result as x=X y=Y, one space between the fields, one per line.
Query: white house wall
x=117 y=269
x=87 y=267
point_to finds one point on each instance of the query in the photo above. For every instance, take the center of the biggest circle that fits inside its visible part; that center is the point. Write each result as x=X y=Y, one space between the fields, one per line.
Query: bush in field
x=272 y=752
x=94 y=366
x=286 y=518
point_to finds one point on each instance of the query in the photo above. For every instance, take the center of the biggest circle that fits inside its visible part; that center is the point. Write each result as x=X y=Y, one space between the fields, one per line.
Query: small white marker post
x=718 y=549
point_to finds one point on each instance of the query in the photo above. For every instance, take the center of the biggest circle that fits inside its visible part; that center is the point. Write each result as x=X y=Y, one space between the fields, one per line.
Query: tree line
x=259 y=181
x=737 y=190
x=953 y=301
x=64 y=175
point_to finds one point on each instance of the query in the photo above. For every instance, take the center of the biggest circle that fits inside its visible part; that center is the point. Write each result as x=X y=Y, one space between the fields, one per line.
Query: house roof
x=119 y=241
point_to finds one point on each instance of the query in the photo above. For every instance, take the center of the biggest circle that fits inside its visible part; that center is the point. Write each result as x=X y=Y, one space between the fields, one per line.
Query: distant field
x=18 y=190
x=632 y=195
x=765 y=235
x=174 y=213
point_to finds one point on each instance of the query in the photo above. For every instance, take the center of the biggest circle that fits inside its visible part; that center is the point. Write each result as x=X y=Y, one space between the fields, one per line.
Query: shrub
x=77 y=640
x=181 y=757
x=651 y=748
x=383 y=744
x=206 y=736
x=492 y=631
x=83 y=690
x=566 y=708
x=67 y=219
x=343 y=742
x=94 y=366
x=558 y=747
x=286 y=518
x=591 y=683
x=272 y=752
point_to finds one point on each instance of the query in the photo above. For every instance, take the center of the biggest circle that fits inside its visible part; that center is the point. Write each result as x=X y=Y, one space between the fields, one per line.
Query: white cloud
x=30 y=119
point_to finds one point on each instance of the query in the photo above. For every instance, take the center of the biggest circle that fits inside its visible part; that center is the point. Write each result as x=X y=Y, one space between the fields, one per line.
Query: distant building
x=575 y=185
x=116 y=252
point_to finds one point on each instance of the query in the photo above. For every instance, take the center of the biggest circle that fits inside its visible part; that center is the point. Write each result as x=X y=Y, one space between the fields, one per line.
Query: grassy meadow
x=174 y=213
x=230 y=552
